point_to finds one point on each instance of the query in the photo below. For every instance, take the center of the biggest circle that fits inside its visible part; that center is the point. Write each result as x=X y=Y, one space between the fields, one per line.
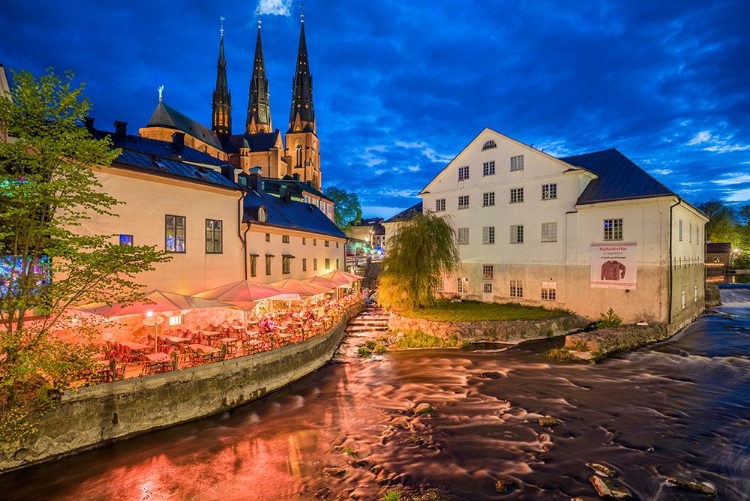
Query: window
x=488 y=199
x=695 y=293
x=269 y=258
x=488 y=272
x=463 y=236
x=213 y=236
x=315 y=241
x=440 y=205
x=489 y=145
x=463 y=202
x=337 y=245
x=683 y=298
x=516 y=288
x=268 y=237
x=126 y=240
x=516 y=234
x=175 y=319
x=516 y=163
x=253 y=265
x=463 y=285
x=613 y=229
x=284 y=239
x=516 y=195
x=337 y=264
x=549 y=232
x=286 y=264
x=439 y=286
x=679 y=230
x=488 y=169
x=174 y=230
x=690 y=233
x=549 y=290
x=328 y=263
x=463 y=173
x=488 y=235
x=487 y=287
x=315 y=264
x=327 y=243
x=549 y=191
x=304 y=264
x=304 y=241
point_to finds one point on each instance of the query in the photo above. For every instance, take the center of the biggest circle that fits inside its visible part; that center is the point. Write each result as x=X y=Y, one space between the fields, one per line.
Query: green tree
x=348 y=210
x=48 y=189
x=721 y=226
x=420 y=252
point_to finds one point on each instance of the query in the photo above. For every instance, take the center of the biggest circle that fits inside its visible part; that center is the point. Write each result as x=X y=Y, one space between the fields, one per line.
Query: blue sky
x=401 y=87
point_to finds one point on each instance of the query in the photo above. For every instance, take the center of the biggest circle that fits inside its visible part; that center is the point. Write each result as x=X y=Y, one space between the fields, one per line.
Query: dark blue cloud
x=401 y=87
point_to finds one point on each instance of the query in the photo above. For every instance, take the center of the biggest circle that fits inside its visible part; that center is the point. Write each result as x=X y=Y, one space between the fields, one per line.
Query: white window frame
x=516 y=163
x=488 y=199
x=613 y=229
x=463 y=173
x=488 y=168
x=488 y=272
x=488 y=234
x=440 y=205
x=516 y=234
x=463 y=236
x=516 y=195
x=516 y=288
x=549 y=191
x=549 y=291
x=549 y=232
x=463 y=201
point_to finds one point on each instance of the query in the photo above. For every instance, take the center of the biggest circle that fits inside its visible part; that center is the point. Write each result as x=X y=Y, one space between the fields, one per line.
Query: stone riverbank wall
x=96 y=415
x=489 y=331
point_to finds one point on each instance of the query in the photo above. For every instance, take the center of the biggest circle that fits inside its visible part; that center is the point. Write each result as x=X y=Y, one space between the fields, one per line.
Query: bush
x=609 y=319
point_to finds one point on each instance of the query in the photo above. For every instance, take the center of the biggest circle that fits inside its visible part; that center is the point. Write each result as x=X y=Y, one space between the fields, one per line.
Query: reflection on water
x=678 y=408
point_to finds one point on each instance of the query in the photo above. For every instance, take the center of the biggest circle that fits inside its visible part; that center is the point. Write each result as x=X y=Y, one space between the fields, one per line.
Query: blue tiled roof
x=290 y=214
x=161 y=149
x=618 y=178
x=166 y=116
x=262 y=141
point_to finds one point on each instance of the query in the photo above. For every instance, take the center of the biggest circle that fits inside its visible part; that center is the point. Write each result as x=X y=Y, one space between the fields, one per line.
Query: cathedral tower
x=259 y=107
x=222 y=104
x=301 y=139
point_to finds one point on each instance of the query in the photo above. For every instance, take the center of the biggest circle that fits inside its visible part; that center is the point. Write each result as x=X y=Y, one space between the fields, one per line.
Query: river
x=681 y=407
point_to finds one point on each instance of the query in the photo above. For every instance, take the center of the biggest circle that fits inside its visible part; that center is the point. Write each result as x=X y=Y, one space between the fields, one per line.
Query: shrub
x=392 y=495
x=609 y=319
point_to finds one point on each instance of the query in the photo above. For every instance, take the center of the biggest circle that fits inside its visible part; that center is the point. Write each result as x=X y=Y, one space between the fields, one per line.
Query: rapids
x=681 y=407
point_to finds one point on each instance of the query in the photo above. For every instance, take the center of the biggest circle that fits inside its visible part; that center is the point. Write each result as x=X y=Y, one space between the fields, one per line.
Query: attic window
x=262 y=214
x=489 y=145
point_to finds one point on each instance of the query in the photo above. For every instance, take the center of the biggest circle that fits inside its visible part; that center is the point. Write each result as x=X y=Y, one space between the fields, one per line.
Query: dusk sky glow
x=401 y=87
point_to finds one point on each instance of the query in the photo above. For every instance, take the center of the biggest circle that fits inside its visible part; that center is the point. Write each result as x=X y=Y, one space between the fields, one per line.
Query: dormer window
x=262 y=216
x=489 y=145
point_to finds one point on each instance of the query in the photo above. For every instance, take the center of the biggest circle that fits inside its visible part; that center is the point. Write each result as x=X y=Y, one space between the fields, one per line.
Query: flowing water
x=681 y=408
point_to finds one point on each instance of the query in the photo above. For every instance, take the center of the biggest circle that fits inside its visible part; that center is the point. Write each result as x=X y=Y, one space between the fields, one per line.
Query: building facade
x=584 y=233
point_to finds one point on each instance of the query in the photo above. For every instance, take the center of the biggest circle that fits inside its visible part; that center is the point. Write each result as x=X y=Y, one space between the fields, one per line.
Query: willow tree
x=48 y=189
x=420 y=252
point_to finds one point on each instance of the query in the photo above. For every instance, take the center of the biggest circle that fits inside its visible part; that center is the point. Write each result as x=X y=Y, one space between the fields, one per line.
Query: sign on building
x=614 y=265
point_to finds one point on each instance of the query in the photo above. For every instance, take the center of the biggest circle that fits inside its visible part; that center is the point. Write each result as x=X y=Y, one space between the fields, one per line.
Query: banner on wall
x=614 y=265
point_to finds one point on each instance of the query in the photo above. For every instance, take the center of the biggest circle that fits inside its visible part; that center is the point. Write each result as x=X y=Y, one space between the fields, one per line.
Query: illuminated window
x=613 y=229
x=213 y=236
x=516 y=195
x=549 y=290
x=175 y=320
x=463 y=285
x=174 y=230
x=328 y=264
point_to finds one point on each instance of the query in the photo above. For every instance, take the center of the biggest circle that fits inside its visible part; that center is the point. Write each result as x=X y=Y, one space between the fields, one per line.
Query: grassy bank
x=476 y=311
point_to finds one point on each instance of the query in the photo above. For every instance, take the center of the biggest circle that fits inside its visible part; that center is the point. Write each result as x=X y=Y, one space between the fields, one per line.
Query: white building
x=586 y=233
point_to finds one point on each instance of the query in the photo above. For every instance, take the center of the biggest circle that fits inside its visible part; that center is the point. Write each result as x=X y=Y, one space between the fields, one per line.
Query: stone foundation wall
x=489 y=331
x=103 y=413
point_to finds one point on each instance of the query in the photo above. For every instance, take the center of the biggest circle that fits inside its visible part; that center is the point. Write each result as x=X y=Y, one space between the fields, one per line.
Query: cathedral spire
x=222 y=102
x=259 y=106
x=302 y=116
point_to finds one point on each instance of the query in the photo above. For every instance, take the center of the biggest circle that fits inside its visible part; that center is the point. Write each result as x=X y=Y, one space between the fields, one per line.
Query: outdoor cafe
x=166 y=331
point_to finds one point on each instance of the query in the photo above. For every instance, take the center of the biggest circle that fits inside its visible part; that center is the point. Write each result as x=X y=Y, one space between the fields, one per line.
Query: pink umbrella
x=154 y=302
x=341 y=277
x=300 y=287
x=324 y=282
x=246 y=294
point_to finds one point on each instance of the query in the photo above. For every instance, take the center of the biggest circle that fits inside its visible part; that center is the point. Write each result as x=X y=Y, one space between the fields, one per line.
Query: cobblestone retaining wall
x=103 y=413
x=494 y=331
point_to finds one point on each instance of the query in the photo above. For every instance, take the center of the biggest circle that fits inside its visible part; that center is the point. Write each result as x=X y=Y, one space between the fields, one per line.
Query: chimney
x=121 y=128
x=256 y=180
x=89 y=122
x=178 y=140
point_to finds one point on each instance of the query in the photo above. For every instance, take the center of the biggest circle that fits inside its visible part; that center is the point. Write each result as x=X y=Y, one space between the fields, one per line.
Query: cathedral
x=260 y=145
